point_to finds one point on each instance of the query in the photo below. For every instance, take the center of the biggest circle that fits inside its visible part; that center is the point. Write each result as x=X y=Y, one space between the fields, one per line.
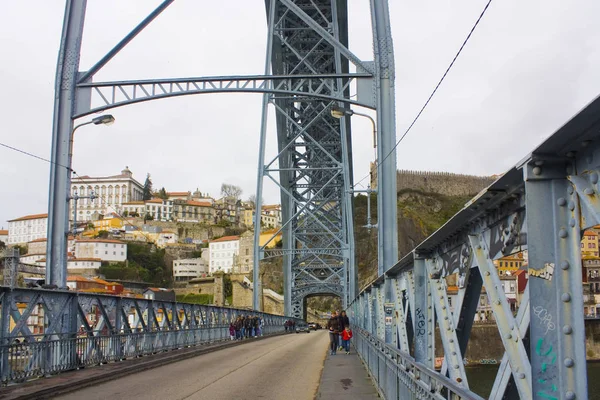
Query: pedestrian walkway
x=345 y=377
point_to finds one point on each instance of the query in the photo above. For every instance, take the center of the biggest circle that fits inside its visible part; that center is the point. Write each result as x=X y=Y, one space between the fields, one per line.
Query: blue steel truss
x=313 y=169
x=542 y=205
x=307 y=73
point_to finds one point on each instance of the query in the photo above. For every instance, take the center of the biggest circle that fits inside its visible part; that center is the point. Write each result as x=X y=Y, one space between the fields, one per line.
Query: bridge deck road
x=284 y=367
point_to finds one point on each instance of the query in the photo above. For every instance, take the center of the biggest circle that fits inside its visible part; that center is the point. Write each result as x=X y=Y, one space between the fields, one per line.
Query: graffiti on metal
x=545 y=273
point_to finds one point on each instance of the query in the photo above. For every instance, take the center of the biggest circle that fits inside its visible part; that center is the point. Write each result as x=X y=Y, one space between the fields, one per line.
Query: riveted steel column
x=60 y=176
x=557 y=331
x=386 y=136
x=257 y=285
x=424 y=322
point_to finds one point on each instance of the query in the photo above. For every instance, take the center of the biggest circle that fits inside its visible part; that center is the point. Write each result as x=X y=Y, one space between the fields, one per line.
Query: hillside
x=419 y=215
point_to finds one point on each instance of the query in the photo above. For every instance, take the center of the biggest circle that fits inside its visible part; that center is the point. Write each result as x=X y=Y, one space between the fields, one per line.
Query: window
x=106 y=252
x=114 y=253
x=247 y=251
x=122 y=253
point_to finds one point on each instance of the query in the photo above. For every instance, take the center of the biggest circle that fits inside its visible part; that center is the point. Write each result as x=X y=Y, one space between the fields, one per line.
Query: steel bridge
x=542 y=205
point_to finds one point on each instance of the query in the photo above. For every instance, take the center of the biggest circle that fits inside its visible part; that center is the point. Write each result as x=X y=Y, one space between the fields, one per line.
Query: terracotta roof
x=271 y=207
x=226 y=239
x=590 y=233
x=178 y=193
x=27 y=217
x=76 y=278
x=100 y=241
x=198 y=203
x=155 y=201
x=39 y=240
x=3 y=232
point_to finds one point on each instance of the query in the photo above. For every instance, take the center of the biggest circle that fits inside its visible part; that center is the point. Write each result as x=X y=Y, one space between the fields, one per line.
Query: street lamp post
x=56 y=251
x=337 y=112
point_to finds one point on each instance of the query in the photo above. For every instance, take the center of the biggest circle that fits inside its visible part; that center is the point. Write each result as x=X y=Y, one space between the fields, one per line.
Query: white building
x=158 y=209
x=27 y=228
x=271 y=215
x=73 y=264
x=103 y=249
x=223 y=253
x=112 y=192
x=187 y=269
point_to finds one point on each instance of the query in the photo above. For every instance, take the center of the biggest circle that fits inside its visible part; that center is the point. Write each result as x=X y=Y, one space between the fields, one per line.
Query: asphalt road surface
x=285 y=367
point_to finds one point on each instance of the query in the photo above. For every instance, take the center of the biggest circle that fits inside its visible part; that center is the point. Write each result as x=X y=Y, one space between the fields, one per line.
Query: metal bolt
x=561 y=202
x=571 y=205
x=594 y=178
x=569 y=362
x=507 y=336
x=455 y=366
x=564 y=265
x=521 y=375
x=572 y=223
x=588 y=191
x=566 y=297
x=498 y=302
x=570 y=395
x=487 y=273
x=537 y=171
x=451 y=340
x=567 y=330
x=478 y=247
x=563 y=233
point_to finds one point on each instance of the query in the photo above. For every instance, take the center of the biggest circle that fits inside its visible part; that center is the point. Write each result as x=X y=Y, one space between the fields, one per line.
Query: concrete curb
x=46 y=388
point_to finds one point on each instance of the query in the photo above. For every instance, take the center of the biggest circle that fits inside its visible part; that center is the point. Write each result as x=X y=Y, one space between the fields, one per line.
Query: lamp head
x=338 y=112
x=106 y=119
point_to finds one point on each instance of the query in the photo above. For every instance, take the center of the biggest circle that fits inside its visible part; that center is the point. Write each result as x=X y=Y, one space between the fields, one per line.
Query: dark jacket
x=334 y=325
x=344 y=322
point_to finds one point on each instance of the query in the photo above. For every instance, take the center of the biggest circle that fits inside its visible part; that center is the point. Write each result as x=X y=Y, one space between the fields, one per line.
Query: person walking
x=334 y=331
x=344 y=322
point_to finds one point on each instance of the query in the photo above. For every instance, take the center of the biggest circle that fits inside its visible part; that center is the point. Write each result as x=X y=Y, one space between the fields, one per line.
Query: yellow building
x=108 y=224
x=266 y=235
x=510 y=264
x=248 y=216
x=589 y=244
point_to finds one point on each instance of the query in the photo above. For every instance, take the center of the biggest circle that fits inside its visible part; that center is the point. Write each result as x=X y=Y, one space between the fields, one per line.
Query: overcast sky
x=528 y=68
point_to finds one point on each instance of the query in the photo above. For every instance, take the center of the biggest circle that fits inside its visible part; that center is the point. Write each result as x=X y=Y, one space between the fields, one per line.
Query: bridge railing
x=44 y=332
x=541 y=206
x=398 y=376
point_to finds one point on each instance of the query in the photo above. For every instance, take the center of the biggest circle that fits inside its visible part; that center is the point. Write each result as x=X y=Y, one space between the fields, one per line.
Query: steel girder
x=313 y=167
x=542 y=205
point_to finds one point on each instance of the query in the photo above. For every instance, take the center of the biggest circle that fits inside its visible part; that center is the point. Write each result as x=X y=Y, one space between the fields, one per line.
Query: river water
x=481 y=379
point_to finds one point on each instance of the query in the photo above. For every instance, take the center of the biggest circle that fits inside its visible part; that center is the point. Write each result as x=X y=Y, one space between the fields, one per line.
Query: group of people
x=339 y=329
x=289 y=325
x=245 y=326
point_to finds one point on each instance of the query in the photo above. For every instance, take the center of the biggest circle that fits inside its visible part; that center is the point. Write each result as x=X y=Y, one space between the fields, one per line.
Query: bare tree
x=228 y=190
x=252 y=200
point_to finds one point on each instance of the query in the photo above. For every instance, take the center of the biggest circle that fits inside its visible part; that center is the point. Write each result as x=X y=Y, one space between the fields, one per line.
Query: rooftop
x=226 y=239
x=39 y=240
x=28 y=217
x=100 y=241
x=198 y=203
x=3 y=232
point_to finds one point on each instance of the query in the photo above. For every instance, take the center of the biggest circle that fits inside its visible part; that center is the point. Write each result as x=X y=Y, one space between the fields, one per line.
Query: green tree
x=147 y=192
x=162 y=194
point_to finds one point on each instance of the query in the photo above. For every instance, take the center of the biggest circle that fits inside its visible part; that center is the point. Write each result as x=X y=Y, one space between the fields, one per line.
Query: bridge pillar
x=62 y=131
x=557 y=331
